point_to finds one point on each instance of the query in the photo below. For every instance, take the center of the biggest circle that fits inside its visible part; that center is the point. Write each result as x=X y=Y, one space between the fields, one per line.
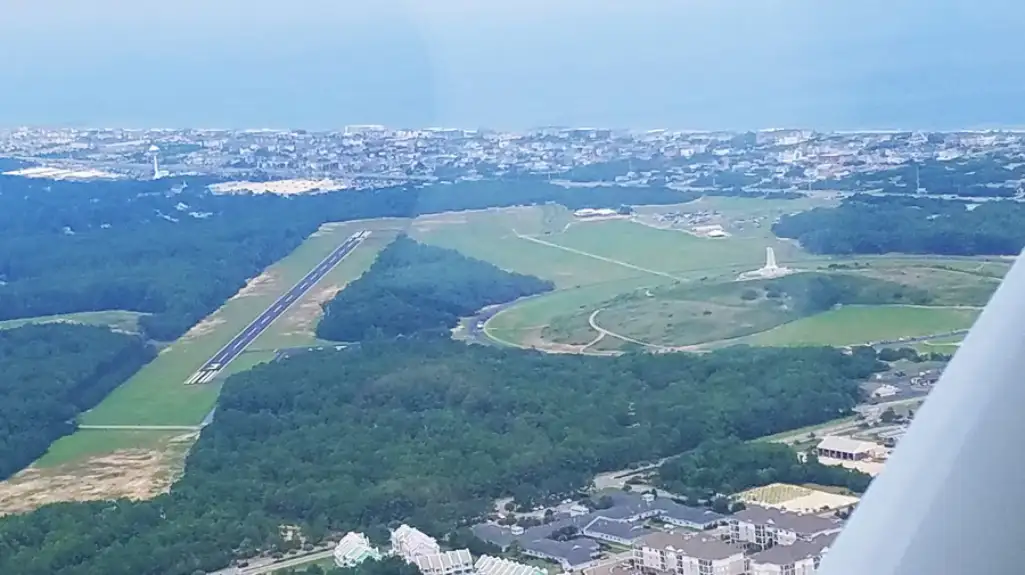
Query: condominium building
x=801 y=558
x=488 y=565
x=458 y=562
x=692 y=554
x=354 y=549
x=408 y=542
x=766 y=527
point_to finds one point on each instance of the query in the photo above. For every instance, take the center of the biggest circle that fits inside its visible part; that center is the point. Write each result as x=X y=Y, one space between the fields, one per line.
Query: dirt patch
x=263 y=284
x=200 y=329
x=127 y=473
x=301 y=319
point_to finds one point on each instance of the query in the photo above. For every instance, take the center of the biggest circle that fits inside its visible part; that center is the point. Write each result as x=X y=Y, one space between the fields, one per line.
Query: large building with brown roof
x=766 y=527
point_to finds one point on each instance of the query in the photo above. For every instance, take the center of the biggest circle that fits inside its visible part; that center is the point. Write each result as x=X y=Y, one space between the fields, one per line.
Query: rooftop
x=696 y=545
x=573 y=552
x=446 y=560
x=846 y=444
x=800 y=523
x=617 y=529
x=789 y=554
x=487 y=565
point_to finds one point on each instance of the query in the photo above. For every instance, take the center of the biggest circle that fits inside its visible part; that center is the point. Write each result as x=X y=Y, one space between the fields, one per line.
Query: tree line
x=174 y=250
x=50 y=374
x=414 y=288
x=724 y=467
x=427 y=431
x=883 y=224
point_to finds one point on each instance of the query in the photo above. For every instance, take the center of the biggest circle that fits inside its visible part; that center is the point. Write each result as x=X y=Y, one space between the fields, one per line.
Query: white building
x=487 y=565
x=408 y=542
x=354 y=549
x=801 y=558
x=766 y=527
x=458 y=562
x=694 y=554
x=845 y=448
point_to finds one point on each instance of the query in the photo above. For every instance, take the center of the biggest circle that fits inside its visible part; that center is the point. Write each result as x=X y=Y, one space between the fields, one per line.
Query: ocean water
x=681 y=64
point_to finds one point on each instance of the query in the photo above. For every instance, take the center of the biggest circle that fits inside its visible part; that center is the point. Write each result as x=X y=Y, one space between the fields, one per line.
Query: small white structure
x=354 y=549
x=770 y=270
x=487 y=565
x=458 y=562
x=408 y=542
x=885 y=390
x=585 y=213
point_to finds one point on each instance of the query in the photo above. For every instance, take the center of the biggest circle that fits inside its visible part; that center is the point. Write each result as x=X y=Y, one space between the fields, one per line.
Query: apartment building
x=354 y=549
x=408 y=542
x=801 y=558
x=692 y=554
x=766 y=527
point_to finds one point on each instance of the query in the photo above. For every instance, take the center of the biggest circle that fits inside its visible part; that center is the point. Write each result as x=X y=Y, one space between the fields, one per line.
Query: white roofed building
x=458 y=562
x=354 y=549
x=845 y=448
x=408 y=542
x=487 y=565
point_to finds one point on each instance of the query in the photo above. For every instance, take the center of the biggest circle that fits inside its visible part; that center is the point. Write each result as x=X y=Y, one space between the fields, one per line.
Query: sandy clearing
x=202 y=328
x=263 y=284
x=127 y=473
x=302 y=318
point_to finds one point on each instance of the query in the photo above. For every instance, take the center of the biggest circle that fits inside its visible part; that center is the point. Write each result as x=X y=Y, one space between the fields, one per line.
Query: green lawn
x=127 y=321
x=156 y=395
x=490 y=235
x=852 y=325
x=88 y=442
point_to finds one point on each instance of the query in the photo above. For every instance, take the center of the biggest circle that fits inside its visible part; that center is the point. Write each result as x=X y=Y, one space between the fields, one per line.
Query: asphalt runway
x=245 y=337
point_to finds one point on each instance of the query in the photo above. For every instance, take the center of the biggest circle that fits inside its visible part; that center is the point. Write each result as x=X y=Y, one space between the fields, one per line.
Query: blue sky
x=513 y=64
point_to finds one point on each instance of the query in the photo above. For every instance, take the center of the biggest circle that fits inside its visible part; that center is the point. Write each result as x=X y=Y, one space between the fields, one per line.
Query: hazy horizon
x=677 y=64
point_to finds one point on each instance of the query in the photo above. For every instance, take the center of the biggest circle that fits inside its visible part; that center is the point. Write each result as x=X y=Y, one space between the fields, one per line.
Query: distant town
x=361 y=157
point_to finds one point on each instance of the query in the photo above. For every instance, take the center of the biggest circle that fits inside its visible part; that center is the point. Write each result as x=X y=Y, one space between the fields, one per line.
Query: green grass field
x=591 y=262
x=156 y=395
x=852 y=325
x=127 y=321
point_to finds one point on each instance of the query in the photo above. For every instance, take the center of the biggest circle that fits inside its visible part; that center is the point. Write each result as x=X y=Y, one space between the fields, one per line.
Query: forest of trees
x=48 y=375
x=416 y=289
x=729 y=466
x=426 y=431
x=882 y=224
x=177 y=252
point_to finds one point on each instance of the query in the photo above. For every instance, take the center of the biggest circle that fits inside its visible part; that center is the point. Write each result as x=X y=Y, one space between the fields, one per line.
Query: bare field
x=133 y=473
